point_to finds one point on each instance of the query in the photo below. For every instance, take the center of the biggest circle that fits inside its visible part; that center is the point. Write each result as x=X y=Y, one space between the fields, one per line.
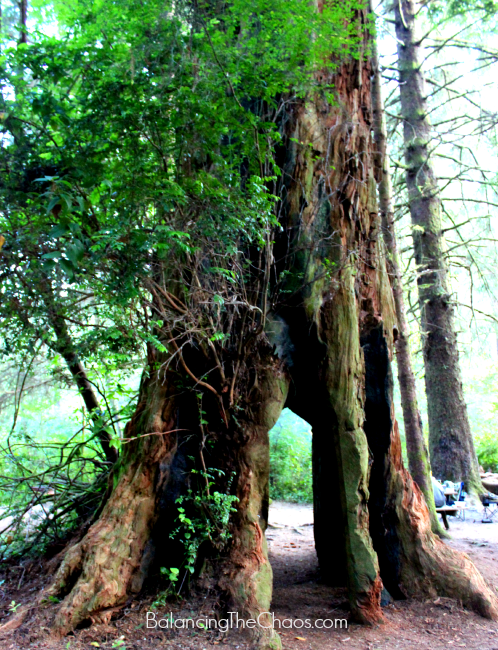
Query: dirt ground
x=298 y=594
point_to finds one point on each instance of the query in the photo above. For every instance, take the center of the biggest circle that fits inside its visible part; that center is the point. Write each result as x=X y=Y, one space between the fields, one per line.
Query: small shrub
x=209 y=517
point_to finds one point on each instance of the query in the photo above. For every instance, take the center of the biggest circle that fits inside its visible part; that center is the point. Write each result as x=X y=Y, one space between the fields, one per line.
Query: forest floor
x=298 y=595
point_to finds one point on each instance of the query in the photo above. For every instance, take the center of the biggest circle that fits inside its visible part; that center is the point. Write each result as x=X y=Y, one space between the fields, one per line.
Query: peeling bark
x=342 y=325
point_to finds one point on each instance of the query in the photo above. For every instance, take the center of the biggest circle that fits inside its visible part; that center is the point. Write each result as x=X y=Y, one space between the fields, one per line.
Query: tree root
x=101 y=570
x=16 y=621
x=367 y=610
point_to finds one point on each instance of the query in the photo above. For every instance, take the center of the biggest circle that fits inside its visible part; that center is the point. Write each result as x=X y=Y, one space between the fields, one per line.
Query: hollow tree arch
x=330 y=362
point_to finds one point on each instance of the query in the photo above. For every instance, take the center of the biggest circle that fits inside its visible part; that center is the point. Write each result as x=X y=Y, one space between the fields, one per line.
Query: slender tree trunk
x=450 y=438
x=23 y=20
x=65 y=348
x=418 y=455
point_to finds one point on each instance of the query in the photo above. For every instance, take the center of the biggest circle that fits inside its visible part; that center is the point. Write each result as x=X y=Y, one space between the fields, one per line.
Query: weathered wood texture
x=100 y=572
x=342 y=323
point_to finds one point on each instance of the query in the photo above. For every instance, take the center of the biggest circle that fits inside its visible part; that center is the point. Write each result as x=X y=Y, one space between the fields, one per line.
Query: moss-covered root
x=98 y=573
x=429 y=567
x=247 y=577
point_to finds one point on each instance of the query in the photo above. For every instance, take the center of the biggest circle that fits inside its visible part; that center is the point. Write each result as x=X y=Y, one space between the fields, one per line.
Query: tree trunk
x=23 y=20
x=450 y=438
x=246 y=575
x=341 y=320
x=110 y=562
x=65 y=348
x=418 y=455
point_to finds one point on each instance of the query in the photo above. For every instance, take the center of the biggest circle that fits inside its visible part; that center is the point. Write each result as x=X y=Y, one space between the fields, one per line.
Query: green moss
x=263 y=586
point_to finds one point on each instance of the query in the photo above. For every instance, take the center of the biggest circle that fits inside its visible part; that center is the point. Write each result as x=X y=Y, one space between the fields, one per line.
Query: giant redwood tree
x=251 y=233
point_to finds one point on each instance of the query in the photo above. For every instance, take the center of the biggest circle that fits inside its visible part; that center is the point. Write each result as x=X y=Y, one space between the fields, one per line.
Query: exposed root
x=16 y=621
x=99 y=573
x=102 y=566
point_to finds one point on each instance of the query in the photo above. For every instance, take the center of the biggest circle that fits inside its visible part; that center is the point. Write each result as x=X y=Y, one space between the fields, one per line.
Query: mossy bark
x=450 y=438
x=342 y=325
x=331 y=207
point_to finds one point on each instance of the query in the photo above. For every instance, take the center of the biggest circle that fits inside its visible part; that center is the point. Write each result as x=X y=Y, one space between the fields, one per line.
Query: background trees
x=459 y=150
x=450 y=437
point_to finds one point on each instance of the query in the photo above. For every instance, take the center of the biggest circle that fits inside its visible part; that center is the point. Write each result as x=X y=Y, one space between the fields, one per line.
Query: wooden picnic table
x=444 y=511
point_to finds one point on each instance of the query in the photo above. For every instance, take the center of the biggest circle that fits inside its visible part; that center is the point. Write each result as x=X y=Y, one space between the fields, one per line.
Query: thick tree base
x=110 y=563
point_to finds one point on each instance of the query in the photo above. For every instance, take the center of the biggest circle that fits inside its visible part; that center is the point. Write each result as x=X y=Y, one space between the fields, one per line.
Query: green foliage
x=139 y=144
x=52 y=469
x=205 y=518
x=487 y=450
x=480 y=379
x=290 y=459
x=102 y=138
x=462 y=8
